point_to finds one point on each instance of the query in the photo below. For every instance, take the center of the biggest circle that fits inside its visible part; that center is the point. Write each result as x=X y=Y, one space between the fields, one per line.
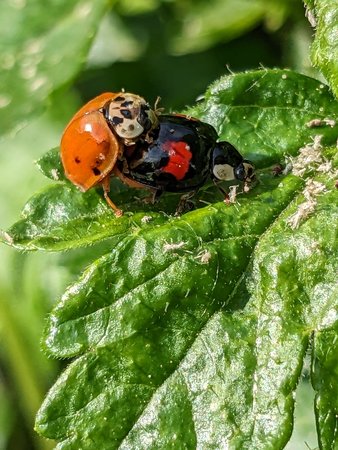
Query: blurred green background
x=55 y=55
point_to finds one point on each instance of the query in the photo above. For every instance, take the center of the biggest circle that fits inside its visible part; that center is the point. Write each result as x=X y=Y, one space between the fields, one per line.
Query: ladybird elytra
x=99 y=133
x=177 y=159
x=119 y=134
x=89 y=150
x=93 y=105
x=182 y=155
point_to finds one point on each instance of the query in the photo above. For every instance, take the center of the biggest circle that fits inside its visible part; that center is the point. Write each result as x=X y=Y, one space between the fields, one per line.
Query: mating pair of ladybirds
x=119 y=134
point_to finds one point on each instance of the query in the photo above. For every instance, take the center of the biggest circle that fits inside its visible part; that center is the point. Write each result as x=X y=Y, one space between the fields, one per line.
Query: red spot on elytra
x=179 y=158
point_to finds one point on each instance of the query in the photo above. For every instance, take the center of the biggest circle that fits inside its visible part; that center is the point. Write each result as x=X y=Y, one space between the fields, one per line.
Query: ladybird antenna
x=156 y=108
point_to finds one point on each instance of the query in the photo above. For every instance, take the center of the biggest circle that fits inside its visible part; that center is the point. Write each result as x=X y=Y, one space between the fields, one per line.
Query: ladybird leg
x=156 y=194
x=106 y=188
x=128 y=181
x=157 y=101
x=156 y=108
x=152 y=197
x=185 y=204
x=222 y=191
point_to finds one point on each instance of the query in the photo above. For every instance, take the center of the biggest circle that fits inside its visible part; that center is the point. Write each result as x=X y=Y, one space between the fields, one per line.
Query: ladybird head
x=129 y=116
x=228 y=164
x=245 y=171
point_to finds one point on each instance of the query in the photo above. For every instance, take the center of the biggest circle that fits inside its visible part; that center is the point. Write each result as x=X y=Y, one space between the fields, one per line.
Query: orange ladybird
x=97 y=136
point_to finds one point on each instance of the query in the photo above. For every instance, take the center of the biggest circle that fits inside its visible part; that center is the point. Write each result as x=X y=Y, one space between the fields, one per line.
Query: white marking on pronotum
x=223 y=172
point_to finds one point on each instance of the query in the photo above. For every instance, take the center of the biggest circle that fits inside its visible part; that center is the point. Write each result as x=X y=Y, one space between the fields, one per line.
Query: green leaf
x=324 y=380
x=51 y=166
x=60 y=217
x=152 y=266
x=137 y=6
x=266 y=114
x=220 y=364
x=204 y=24
x=43 y=46
x=325 y=46
x=309 y=3
x=208 y=23
x=191 y=331
x=267 y=340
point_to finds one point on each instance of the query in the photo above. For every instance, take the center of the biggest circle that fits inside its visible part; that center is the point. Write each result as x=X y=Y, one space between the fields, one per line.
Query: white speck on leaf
x=305 y=209
x=174 y=246
x=204 y=256
x=8 y=238
x=311 y=17
x=321 y=123
x=325 y=167
x=146 y=219
x=55 y=174
x=310 y=158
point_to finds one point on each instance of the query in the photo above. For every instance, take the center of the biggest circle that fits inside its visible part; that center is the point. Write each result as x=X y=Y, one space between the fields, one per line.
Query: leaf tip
x=50 y=165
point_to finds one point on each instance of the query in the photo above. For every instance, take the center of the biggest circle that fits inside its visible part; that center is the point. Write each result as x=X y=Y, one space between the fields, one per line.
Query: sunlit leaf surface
x=325 y=45
x=190 y=331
